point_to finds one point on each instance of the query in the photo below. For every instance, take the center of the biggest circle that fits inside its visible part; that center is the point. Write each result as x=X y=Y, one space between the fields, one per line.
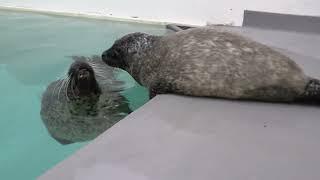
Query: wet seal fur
x=84 y=104
x=211 y=62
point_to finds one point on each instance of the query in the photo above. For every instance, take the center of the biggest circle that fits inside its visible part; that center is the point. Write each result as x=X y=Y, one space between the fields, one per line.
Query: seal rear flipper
x=312 y=93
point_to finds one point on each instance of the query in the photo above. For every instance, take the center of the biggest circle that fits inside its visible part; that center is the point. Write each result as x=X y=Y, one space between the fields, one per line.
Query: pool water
x=34 y=51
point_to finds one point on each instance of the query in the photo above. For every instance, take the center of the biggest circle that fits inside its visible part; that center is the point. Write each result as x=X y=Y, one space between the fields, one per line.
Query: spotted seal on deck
x=84 y=104
x=211 y=62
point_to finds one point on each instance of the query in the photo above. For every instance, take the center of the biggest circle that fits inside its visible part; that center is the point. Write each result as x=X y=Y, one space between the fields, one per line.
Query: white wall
x=196 y=12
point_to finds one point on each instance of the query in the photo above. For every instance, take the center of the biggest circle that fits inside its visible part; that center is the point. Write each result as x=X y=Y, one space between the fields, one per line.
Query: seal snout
x=83 y=74
x=104 y=56
x=82 y=79
x=110 y=57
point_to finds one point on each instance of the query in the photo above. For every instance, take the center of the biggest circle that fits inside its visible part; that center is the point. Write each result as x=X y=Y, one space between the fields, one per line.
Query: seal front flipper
x=62 y=141
x=152 y=93
x=160 y=87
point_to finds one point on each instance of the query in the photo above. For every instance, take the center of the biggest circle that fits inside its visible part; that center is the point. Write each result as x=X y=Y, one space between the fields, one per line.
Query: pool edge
x=82 y=15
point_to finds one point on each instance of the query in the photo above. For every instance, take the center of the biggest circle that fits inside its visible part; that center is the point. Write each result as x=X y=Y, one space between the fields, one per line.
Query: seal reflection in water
x=84 y=104
x=211 y=62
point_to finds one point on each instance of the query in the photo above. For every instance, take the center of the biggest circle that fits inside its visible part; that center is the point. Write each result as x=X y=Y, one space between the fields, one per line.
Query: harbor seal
x=84 y=104
x=211 y=62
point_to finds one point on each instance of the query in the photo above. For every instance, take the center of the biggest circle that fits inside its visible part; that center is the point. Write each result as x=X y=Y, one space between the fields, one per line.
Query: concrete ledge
x=175 y=137
x=286 y=22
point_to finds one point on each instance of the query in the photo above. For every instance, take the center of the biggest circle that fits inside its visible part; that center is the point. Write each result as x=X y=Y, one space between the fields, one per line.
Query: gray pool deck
x=186 y=138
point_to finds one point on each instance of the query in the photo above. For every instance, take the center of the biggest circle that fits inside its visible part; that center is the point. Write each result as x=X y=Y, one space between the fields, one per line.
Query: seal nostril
x=83 y=73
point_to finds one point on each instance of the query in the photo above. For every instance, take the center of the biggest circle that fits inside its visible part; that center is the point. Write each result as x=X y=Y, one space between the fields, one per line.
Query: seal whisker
x=63 y=81
x=59 y=83
x=64 y=87
x=100 y=72
x=96 y=68
x=95 y=64
x=72 y=90
x=67 y=87
x=56 y=87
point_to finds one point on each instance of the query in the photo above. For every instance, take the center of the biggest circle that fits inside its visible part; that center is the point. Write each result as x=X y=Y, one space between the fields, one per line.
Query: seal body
x=83 y=105
x=209 y=62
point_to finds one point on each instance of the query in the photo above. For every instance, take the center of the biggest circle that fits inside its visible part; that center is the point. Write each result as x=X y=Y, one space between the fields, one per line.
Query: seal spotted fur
x=211 y=62
x=85 y=103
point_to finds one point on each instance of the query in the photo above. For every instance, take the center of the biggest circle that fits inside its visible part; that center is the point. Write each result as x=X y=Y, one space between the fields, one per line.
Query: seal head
x=83 y=82
x=126 y=49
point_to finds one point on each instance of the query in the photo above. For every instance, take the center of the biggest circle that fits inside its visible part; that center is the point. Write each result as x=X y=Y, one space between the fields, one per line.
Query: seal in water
x=211 y=62
x=85 y=103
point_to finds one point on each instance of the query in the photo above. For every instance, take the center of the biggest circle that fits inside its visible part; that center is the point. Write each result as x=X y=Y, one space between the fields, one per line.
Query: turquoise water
x=34 y=51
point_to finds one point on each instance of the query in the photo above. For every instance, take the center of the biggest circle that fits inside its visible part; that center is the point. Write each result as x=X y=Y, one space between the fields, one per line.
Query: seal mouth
x=83 y=74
